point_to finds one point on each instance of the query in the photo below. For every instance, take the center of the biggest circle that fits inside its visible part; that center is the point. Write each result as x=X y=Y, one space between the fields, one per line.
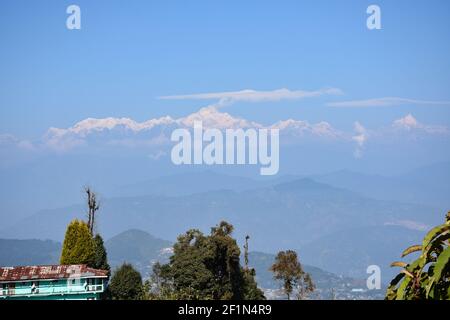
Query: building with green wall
x=55 y=282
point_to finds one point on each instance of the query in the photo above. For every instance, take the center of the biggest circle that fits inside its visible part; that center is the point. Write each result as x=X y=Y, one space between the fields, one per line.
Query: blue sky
x=126 y=56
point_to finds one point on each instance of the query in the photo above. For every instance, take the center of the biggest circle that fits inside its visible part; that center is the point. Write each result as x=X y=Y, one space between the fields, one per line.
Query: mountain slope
x=138 y=248
x=182 y=184
x=350 y=252
x=28 y=252
x=294 y=212
x=429 y=185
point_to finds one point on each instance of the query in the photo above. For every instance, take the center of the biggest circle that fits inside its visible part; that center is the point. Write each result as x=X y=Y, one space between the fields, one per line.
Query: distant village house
x=54 y=282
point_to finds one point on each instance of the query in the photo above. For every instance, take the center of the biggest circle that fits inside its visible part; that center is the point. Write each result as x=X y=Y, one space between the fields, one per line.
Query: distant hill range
x=429 y=185
x=143 y=250
x=139 y=248
x=288 y=212
x=328 y=285
x=29 y=252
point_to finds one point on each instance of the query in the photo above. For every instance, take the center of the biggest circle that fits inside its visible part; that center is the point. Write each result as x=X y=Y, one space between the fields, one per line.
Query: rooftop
x=49 y=272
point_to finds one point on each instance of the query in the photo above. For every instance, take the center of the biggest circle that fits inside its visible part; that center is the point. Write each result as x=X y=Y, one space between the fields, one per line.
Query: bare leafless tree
x=246 y=252
x=93 y=206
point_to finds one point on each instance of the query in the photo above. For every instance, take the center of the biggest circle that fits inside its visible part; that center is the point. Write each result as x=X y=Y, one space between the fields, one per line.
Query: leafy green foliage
x=288 y=269
x=250 y=288
x=427 y=277
x=100 y=259
x=305 y=286
x=205 y=267
x=126 y=284
x=78 y=246
x=159 y=287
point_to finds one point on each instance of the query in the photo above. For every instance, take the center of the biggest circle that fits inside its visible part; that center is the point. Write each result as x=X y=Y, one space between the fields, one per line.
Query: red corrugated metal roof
x=49 y=272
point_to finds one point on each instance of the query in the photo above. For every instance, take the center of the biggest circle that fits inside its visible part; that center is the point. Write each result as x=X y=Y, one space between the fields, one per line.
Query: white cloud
x=360 y=138
x=65 y=139
x=385 y=102
x=407 y=127
x=212 y=118
x=129 y=133
x=409 y=224
x=89 y=125
x=409 y=123
x=256 y=96
x=58 y=140
x=299 y=128
x=154 y=134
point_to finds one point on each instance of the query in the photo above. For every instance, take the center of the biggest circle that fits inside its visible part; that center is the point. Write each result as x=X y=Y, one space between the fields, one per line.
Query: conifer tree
x=100 y=260
x=78 y=246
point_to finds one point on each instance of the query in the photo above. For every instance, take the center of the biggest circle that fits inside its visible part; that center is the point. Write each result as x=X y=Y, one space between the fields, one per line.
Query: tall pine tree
x=78 y=246
x=100 y=260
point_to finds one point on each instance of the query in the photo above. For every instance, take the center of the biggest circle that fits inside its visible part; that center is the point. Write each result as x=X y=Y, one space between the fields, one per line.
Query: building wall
x=81 y=296
x=75 y=288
